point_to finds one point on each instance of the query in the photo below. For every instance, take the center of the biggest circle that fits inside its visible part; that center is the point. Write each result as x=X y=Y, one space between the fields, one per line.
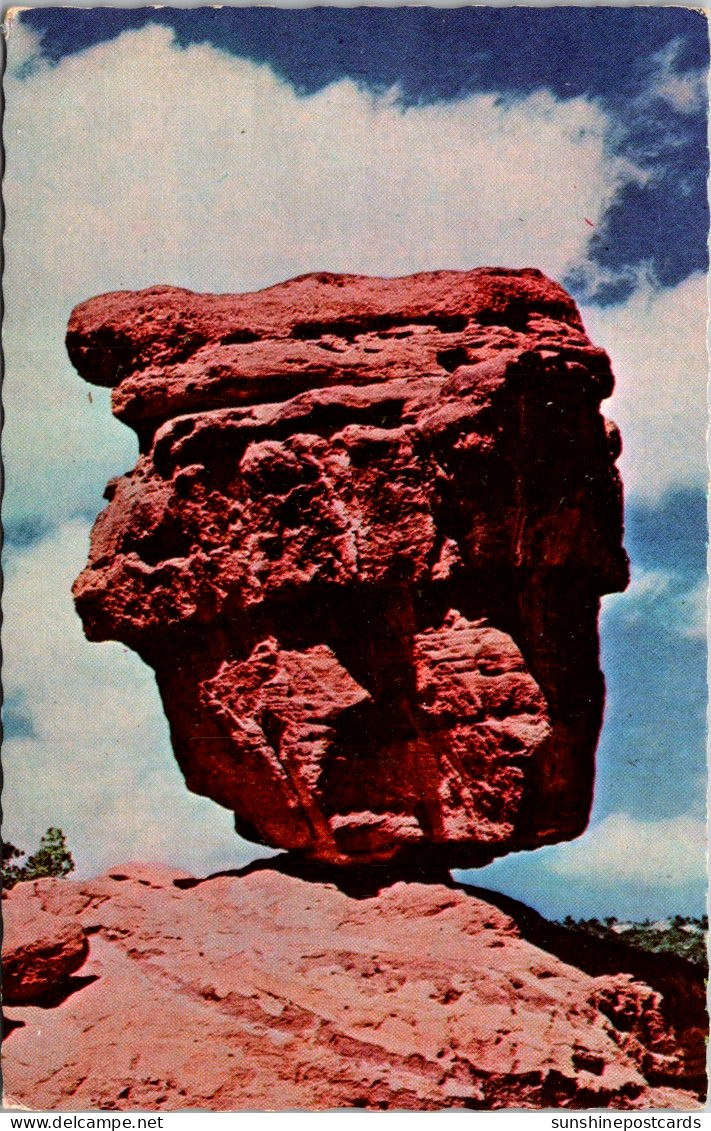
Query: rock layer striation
x=363 y=549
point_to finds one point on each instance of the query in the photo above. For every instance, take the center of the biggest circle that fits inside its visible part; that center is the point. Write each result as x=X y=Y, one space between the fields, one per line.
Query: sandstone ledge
x=266 y=990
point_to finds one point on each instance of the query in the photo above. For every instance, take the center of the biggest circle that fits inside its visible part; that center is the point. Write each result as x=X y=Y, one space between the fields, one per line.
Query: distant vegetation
x=684 y=936
x=52 y=858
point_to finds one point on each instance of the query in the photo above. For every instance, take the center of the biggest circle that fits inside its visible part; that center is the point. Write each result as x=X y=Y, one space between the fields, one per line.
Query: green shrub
x=52 y=858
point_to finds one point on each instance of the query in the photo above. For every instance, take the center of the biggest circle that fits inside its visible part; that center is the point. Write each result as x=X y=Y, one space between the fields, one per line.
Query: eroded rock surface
x=363 y=549
x=270 y=991
x=39 y=950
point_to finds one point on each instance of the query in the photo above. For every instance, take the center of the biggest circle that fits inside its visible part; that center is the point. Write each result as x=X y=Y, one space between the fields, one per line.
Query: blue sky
x=225 y=149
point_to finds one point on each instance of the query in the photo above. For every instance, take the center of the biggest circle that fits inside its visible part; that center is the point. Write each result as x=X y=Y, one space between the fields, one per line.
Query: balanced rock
x=267 y=990
x=363 y=549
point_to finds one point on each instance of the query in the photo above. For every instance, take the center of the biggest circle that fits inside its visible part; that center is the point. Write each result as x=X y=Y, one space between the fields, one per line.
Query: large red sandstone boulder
x=363 y=548
x=269 y=991
x=40 y=950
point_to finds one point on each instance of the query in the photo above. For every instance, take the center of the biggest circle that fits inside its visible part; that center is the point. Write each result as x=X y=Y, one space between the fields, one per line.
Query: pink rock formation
x=39 y=950
x=266 y=991
x=363 y=549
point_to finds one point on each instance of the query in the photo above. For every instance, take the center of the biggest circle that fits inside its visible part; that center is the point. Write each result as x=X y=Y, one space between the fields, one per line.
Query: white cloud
x=684 y=90
x=621 y=850
x=215 y=173
x=696 y=603
x=135 y=162
x=658 y=597
x=23 y=45
x=684 y=93
x=99 y=763
x=657 y=342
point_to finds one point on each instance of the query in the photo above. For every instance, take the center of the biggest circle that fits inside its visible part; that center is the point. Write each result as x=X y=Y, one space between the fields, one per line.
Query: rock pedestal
x=363 y=549
x=266 y=991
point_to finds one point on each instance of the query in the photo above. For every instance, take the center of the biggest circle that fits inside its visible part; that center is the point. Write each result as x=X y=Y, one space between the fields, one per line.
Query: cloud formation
x=657 y=342
x=663 y=600
x=218 y=174
x=622 y=866
x=621 y=850
x=682 y=88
